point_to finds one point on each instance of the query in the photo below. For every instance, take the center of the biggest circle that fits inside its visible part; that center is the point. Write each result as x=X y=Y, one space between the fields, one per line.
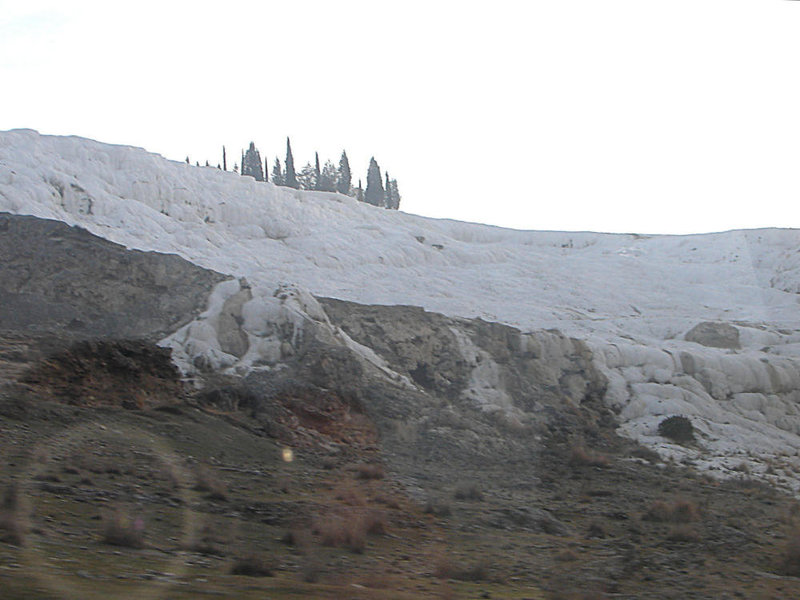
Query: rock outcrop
x=59 y=278
x=714 y=335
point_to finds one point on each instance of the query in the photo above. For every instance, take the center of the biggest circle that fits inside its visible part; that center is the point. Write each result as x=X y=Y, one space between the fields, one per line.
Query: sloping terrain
x=373 y=404
x=633 y=299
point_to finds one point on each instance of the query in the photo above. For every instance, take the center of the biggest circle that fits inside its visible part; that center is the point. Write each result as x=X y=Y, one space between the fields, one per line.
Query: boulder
x=714 y=335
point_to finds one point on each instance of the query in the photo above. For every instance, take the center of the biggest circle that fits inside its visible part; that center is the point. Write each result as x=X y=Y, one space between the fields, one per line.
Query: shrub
x=120 y=530
x=678 y=511
x=252 y=565
x=683 y=533
x=350 y=494
x=350 y=530
x=12 y=530
x=790 y=564
x=372 y=471
x=300 y=538
x=207 y=542
x=580 y=456
x=477 y=572
x=468 y=491
x=568 y=555
x=207 y=481
x=677 y=428
x=596 y=530
x=12 y=524
x=387 y=500
x=438 y=509
x=443 y=567
x=374 y=522
x=10 y=501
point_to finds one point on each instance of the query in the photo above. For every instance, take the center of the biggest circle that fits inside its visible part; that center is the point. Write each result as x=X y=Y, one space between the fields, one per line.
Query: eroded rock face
x=714 y=335
x=496 y=367
x=59 y=278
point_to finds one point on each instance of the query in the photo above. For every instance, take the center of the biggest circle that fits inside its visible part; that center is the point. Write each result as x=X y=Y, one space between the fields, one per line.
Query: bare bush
x=579 y=456
x=207 y=481
x=253 y=565
x=790 y=564
x=468 y=491
x=677 y=511
x=120 y=530
x=370 y=471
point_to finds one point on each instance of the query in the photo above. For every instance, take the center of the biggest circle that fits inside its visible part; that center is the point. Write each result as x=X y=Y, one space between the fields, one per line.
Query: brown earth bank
x=197 y=494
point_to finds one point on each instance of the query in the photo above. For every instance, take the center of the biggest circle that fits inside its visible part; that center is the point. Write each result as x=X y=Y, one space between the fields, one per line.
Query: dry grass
x=120 y=530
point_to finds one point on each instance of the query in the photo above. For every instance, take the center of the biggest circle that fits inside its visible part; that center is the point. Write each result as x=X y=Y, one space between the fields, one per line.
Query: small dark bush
x=370 y=472
x=12 y=525
x=477 y=572
x=791 y=556
x=344 y=532
x=679 y=511
x=468 y=491
x=677 y=428
x=207 y=542
x=683 y=533
x=596 y=530
x=300 y=538
x=207 y=481
x=120 y=530
x=12 y=530
x=580 y=456
x=438 y=509
x=252 y=566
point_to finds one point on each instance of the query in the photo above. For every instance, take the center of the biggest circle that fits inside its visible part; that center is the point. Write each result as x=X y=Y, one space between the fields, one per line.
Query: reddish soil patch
x=131 y=374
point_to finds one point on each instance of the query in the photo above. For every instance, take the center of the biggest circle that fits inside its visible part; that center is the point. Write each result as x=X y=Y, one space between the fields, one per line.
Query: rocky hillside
x=365 y=404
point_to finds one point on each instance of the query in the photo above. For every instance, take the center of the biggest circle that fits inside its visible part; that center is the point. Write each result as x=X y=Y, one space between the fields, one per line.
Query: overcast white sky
x=605 y=115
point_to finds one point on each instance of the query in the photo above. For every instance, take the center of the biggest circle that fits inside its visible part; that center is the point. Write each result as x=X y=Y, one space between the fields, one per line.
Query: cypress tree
x=277 y=174
x=251 y=163
x=387 y=194
x=266 y=169
x=290 y=178
x=328 y=178
x=307 y=178
x=394 y=195
x=224 y=160
x=374 y=194
x=318 y=172
x=344 y=179
x=359 y=192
